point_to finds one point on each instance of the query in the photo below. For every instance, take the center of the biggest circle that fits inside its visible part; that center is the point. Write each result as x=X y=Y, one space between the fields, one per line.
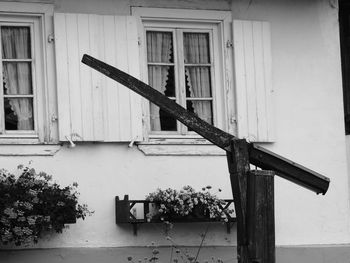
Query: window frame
x=224 y=109
x=44 y=104
x=37 y=88
x=179 y=68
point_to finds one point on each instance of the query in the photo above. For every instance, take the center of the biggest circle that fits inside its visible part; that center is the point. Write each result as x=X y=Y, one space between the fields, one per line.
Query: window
x=216 y=67
x=21 y=78
x=184 y=55
x=26 y=104
x=180 y=66
x=17 y=66
x=184 y=60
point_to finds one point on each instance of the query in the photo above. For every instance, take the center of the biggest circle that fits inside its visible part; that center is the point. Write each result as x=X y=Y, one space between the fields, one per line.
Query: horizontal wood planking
x=90 y=106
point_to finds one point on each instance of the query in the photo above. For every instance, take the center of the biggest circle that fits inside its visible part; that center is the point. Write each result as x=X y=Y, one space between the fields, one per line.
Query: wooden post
x=122 y=210
x=258 y=156
x=253 y=193
x=261 y=217
x=238 y=165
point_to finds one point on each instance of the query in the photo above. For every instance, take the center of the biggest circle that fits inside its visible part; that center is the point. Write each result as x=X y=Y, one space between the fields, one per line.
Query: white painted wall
x=309 y=130
x=106 y=170
x=309 y=116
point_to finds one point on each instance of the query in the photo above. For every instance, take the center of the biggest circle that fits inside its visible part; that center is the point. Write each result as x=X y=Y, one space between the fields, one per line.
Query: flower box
x=125 y=213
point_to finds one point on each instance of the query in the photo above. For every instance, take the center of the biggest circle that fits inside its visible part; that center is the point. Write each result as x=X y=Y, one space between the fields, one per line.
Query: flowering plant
x=185 y=202
x=31 y=204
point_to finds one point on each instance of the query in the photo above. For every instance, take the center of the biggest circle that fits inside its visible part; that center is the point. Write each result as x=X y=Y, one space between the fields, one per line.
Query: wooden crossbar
x=258 y=156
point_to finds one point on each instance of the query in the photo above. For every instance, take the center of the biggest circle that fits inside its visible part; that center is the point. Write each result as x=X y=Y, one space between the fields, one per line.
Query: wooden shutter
x=92 y=107
x=252 y=60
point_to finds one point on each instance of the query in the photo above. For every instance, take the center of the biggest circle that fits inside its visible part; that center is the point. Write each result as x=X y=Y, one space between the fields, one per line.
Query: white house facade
x=267 y=71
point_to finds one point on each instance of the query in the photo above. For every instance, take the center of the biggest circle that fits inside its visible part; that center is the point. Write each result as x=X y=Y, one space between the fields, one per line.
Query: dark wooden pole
x=258 y=156
x=238 y=165
x=261 y=216
x=253 y=193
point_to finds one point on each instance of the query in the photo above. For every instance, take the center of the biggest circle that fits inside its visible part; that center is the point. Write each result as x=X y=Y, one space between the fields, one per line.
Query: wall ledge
x=181 y=149
x=29 y=150
x=284 y=254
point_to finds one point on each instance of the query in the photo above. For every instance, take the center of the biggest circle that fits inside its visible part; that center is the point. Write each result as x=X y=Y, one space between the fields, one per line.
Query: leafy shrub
x=32 y=204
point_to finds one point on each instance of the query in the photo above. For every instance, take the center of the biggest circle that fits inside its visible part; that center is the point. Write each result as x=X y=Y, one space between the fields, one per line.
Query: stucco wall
x=309 y=130
x=309 y=115
x=106 y=170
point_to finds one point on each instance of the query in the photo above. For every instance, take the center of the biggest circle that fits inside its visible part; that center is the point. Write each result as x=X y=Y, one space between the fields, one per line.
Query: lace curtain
x=196 y=51
x=159 y=46
x=17 y=75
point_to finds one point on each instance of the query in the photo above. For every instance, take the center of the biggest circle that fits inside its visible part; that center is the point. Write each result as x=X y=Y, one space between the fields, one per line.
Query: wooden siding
x=92 y=107
x=252 y=60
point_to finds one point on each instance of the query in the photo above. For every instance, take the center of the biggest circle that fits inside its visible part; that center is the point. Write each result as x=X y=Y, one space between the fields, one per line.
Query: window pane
x=160 y=120
x=19 y=114
x=196 y=48
x=161 y=78
x=203 y=109
x=15 y=42
x=198 y=82
x=17 y=78
x=159 y=47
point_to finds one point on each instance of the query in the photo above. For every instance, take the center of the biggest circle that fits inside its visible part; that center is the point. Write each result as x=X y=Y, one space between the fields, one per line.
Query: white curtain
x=159 y=51
x=17 y=75
x=196 y=49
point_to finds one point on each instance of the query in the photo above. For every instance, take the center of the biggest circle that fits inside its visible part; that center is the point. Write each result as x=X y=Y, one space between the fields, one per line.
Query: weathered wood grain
x=258 y=156
x=261 y=216
x=238 y=165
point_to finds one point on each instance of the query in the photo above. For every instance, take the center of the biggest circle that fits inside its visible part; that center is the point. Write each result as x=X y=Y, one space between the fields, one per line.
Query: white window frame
x=219 y=23
x=37 y=87
x=39 y=18
x=177 y=29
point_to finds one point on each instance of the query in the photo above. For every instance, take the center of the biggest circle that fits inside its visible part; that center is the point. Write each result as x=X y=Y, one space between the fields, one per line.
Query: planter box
x=125 y=213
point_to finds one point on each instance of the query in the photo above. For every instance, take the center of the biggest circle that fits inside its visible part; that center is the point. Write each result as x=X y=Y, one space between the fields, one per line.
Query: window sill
x=29 y=150
x=194 y=147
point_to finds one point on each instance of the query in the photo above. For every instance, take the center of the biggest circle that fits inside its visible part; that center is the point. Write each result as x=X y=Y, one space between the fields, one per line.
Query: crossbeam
x=258 y=156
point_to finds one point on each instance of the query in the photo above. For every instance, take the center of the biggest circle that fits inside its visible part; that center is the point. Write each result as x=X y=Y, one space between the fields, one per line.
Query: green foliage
x=32 y=204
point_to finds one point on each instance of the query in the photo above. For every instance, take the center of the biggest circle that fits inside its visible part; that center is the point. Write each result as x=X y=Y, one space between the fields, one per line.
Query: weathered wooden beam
x=288 y=169
x=238 y=166
x=261 y=217
x=257 y=155
x=211 y=133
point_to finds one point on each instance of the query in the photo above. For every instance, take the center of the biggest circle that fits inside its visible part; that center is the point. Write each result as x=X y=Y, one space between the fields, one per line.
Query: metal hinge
x=50 y=38
x=229 y=44
x=233 y=120
x=54 y=118
x=139 y=41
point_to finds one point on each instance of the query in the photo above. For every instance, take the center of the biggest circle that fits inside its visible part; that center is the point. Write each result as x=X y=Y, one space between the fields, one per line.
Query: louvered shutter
x=92 y=107
x=252 y=60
